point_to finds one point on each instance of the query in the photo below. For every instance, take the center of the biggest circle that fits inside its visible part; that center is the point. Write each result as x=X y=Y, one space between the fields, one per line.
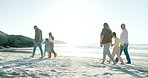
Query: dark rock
x=3 y=40
x=1 y=47
x=2 y=33
x=19 y=41
x=15 y=41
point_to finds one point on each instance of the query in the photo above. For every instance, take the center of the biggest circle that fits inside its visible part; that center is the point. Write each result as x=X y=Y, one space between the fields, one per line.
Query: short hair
x=114 y=34
x=46 y=39
x=35 y=26
x=105 y=25
x=123 y=25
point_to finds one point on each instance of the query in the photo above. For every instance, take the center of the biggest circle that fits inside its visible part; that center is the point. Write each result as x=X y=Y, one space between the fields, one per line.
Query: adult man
x=124 y=45
x=37 y=41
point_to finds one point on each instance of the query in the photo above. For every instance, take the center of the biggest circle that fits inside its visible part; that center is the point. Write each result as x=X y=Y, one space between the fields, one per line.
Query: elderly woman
x=105 y=40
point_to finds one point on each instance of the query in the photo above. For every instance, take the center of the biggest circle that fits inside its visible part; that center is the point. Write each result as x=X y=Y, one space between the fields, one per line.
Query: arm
x=36 y=36
x=101 y=39
x=121 y=43
x=112 y=43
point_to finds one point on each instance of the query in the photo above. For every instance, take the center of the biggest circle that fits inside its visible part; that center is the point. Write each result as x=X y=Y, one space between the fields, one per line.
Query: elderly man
x=124 y=45
x=37 y=41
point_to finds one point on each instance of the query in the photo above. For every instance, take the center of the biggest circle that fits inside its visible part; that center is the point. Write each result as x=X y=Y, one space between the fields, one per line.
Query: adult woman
x=51 y=39
x=105 y=40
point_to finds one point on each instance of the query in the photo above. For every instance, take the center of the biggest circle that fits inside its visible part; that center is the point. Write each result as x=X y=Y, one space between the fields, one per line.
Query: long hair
x=114 y=34
x=107 y=27
x=50 y=35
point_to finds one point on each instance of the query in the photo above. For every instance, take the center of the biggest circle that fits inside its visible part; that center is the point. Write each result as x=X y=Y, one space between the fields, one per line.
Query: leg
x=108 y=52
x=40 y=47
x=55 y=55
x=113 y=54
x=44 y=53
x=119 y=57
x=104 y=56
x=34 y=49
x=127 y=54
x=49 y=54
x=52 y=49
x=121 y=49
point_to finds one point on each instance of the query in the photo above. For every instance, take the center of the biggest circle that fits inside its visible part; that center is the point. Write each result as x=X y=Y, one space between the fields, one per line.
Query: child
x=47 y=48
x=116 y=49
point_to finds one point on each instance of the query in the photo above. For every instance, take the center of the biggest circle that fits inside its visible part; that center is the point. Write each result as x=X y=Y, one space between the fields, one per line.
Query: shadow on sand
x=19 y=62
x=132 y=70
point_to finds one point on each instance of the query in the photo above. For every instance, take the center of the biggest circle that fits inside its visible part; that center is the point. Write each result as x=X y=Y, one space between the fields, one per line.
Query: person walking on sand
x=116 y=49
x=124 y=46
x=105 y=40
x=47 y=48
x=37 y=41
x=51 y=39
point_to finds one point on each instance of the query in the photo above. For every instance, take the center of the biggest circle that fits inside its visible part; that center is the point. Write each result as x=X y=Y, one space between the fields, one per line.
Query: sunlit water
x=93 y=50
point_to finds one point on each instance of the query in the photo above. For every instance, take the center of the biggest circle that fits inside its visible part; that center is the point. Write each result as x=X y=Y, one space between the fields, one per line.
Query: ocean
x=92 y=50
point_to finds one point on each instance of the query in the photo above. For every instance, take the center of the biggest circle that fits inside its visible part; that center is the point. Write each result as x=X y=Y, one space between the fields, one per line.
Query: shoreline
x=133 y=55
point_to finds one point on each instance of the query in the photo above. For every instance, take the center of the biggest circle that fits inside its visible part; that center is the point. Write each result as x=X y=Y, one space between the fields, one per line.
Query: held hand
x=34 y=41
x=123 y=45
x=101 y=45
x=112 y=45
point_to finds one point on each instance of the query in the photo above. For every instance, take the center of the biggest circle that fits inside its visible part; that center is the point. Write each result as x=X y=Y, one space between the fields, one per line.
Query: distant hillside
x=59 y=42
x=14 y=40
x=2 y=33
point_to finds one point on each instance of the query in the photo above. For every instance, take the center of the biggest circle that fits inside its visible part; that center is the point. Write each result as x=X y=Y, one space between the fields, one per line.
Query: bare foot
x=108 y=61
x=128 y=63
x=32 y=56
x=115 y=63
x=41 y=57
x=102 y=63
x=122 y=63
x=55 y=55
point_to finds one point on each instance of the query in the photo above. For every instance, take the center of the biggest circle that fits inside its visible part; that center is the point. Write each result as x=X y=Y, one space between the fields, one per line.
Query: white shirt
x=50 y=39
x=124 y=36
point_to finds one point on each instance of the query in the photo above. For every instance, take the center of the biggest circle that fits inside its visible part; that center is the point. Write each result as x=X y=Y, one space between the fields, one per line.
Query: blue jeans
x=40 y=47
x=125 y=49
x=107 y=52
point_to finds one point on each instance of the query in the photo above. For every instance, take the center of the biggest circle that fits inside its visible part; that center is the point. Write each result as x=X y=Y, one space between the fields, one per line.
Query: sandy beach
x=20 y=65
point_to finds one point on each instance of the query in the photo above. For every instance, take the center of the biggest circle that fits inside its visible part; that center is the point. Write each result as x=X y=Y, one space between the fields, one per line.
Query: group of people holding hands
x=49 y=43
x=106 y=38
x=120 y=45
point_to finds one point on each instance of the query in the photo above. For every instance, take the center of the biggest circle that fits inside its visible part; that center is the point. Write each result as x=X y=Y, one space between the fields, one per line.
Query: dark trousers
x=40 y=47
x=125 y=49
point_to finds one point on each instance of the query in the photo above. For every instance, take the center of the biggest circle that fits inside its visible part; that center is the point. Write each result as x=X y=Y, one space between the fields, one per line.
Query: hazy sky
x=75 y=20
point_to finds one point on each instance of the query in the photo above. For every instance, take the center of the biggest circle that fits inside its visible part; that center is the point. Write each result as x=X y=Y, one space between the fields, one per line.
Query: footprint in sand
x=107 y=73
x=53 y=70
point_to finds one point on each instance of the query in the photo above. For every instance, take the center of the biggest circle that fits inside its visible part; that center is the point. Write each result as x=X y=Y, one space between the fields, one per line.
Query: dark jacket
x=38 y=35
x=107 y=36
